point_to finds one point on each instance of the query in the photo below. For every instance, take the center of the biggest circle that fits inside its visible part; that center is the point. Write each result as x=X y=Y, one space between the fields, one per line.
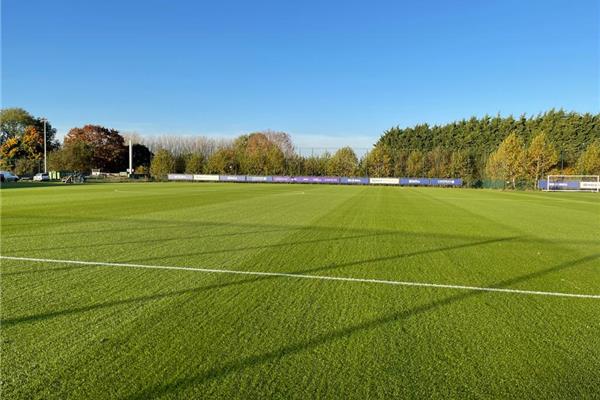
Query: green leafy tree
x=567 y=131
x=74 y=156
x=15 y=121
x=194 y=164
x=379 y=162
x=162 y=164
x=415 y=163
x=400 y=157
x=275 y=162
x=316 y=165
x=462 y=165
x=343 y=163
x=295 y=165
x=495 y=167
x=439 y=163
x=55 y=160
x=180 y=163
x=589 y=161
x=27 y=167
x=223 y=161
x=79 y=156
x=508 y=162
x=259 y=155
x=541 y=156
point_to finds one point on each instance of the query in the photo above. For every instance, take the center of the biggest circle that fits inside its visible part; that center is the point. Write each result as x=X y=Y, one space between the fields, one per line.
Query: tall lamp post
x=45 y=157
x=561 y=161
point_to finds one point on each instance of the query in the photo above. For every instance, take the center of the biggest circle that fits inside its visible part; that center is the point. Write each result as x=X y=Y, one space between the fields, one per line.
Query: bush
x=27 y=167
x=589 y=161
x=162 y=164
x=194 y=164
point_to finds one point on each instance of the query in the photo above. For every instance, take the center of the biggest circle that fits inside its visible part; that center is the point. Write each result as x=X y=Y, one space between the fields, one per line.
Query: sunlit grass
x=72 y=331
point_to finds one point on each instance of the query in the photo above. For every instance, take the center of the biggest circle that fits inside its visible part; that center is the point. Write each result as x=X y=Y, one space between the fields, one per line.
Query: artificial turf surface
x=75 y=331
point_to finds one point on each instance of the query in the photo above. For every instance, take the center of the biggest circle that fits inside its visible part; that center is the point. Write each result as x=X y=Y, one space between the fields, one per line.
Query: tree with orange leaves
x=107 y=145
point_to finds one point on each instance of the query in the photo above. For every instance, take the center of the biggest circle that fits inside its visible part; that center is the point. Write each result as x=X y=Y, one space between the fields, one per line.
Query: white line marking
x=318 y=277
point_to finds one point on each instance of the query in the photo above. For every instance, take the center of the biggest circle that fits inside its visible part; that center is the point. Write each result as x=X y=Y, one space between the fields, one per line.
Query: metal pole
x=45 y=158
x=130 y=158
x=561 y=161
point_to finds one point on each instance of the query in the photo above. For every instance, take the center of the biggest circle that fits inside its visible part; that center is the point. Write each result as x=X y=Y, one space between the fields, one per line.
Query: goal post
x=570 y=183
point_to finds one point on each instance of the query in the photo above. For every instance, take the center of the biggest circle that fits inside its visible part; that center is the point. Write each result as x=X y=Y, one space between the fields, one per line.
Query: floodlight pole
x=45 y=154
x=130 y=158
x=561 y=161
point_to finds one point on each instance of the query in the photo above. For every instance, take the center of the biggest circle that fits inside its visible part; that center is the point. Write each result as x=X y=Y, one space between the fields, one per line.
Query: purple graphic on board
x=251 y=178
x=415 y=181
x=543 y=184
x=232 y=178
x=354 y=181
x=180 y=177
x=282 y=179
x=445 y=182
x=316 y=179
x=347 y=180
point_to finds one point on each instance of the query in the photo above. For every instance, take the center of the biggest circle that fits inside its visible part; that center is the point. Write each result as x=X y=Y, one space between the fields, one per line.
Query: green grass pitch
x=100 y=332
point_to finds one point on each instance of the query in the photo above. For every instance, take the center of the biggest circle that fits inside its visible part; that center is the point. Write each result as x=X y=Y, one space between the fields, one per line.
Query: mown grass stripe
x=317 y=277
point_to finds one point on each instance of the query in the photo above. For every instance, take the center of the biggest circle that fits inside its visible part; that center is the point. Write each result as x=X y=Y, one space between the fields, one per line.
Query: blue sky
x=329 y=73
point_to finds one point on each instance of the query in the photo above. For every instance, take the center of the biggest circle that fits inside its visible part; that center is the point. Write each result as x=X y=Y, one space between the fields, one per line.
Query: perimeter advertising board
x=414 y=181
x=206 y=178
x=354 y=181
x=180 y=177
x=384 y=181
x=316 y=179
x=251 y=178
x=232 y=178
x=589 y=185
x=445 y=182
x=564 y=185
x=282 y=179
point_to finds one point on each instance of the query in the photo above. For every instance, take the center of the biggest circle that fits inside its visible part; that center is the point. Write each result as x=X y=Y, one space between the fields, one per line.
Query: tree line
x=97 y=147
x=569 y=132
x=259 y=153
x=516 y=152
x=513 y=161
x=477 y=149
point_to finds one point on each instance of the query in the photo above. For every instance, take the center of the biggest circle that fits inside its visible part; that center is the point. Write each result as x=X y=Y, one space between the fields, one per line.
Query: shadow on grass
x=334 y=266
x=43 y=316
x=268 y=246
x=145 y=225
x=35 y=271
x=30 y=184
x=251 y=361
x=154 y=224
x=169 y=239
